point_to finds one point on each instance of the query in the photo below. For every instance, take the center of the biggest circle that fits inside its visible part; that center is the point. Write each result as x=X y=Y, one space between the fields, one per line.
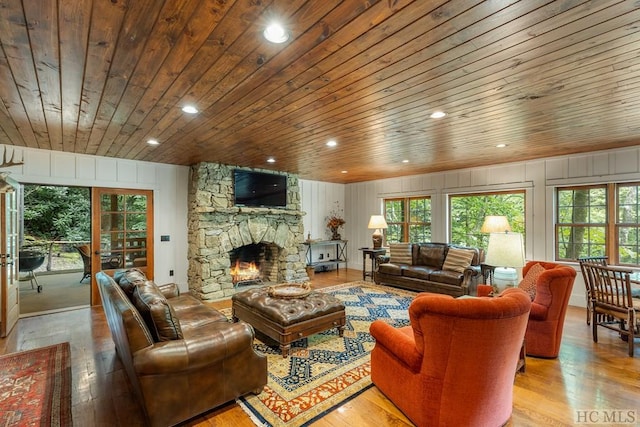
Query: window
x=408 y=219
x=581 y=222
x=599 y=220
x=628 y=224
x=467 y=213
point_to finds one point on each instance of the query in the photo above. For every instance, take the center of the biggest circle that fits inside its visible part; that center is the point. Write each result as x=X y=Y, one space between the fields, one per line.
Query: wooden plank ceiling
x=102 y=77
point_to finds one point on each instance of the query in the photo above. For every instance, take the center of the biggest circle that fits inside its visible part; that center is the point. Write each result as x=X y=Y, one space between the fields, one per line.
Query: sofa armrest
x=398 y=343
x=470 y=280
x=169 y=290
x=205 y=345
x=381 y=259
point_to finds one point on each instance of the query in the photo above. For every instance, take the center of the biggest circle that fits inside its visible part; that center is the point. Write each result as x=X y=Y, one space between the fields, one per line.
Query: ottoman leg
x=341 y=330
x=284 y=348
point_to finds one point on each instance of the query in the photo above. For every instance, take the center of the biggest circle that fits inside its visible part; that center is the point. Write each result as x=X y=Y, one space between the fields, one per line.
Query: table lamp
x=377 y=222
x=506 y=253
x=495 y=224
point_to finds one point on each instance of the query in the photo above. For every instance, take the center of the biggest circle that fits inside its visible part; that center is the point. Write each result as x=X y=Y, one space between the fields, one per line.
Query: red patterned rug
x=35 y=387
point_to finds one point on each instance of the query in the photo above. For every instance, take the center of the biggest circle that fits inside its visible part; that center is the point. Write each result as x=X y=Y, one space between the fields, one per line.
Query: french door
x=10 y=285
x=122 y=232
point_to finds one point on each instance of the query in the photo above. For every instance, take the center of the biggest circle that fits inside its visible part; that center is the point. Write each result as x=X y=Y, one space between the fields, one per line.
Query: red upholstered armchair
x=455 y=364
x=548 y=309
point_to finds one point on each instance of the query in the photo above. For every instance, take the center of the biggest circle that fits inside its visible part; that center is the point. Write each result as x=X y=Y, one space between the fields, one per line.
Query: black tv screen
x=259 y=189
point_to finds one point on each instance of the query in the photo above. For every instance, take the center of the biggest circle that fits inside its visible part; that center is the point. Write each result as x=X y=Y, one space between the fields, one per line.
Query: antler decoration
x=10 y=162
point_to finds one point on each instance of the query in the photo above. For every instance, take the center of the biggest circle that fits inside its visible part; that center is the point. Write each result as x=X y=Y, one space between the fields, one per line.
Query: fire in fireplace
x=245 y=272
x=254 y=263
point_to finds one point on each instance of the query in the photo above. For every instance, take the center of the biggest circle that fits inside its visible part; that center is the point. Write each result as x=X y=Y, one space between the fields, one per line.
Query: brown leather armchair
x=456 y=363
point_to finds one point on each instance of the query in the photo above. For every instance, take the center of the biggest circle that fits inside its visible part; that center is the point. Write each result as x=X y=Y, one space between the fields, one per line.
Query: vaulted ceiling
x=102 y=77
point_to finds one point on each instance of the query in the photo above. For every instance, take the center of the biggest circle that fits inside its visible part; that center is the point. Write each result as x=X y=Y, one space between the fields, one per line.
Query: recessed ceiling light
x=438 y=114
x=189 y=109
x=343 y=172
x=501 y=145
x=405 y=161
x=271 y=160
x=276 y=33
x=152 y=142
x=331 y=143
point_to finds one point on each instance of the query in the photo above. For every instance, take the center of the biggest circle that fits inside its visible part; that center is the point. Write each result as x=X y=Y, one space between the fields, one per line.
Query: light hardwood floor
x=586 y=376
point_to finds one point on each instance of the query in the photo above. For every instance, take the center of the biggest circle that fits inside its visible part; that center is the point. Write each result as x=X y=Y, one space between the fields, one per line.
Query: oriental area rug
x=35 y=387
x=325 y=370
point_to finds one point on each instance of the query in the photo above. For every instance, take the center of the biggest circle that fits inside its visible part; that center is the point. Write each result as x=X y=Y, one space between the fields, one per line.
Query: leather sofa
x=455 y=364
x=424 y=268
x=182 y=357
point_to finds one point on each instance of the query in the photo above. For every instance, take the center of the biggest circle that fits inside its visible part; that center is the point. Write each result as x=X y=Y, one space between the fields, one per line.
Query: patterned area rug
x=324 y=370
x=35 y=387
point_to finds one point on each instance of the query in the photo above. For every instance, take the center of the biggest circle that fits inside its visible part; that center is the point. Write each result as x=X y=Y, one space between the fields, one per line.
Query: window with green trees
x=467 y=213
x=408 y=219
x=599 y=220
x=581 y=222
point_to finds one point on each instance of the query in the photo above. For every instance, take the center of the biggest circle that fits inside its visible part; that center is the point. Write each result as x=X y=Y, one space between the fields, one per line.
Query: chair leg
x=594 y=326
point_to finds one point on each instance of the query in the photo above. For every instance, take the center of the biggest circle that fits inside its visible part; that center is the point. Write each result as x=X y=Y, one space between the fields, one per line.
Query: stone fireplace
x=218 y=230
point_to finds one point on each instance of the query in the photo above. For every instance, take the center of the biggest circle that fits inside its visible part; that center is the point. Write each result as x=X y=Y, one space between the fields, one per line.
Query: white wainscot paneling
x=507 y=174
x=106 y=169
x=600 y=164
x=147 y=173
x=557 y=168
x=580 y=166
x=464 y=178
x=479 y=177
x=63 y=165
x=625 y=161
x=127 y=171
x=37 y=163
x=86 y=168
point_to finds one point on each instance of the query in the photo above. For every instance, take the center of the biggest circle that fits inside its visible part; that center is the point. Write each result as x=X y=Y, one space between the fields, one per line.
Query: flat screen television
x=259 y=189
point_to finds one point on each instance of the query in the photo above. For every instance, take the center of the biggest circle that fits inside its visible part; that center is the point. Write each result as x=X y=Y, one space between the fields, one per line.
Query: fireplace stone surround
x=216 y=227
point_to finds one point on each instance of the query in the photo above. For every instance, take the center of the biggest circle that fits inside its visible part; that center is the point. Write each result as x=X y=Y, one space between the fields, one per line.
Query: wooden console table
x=339 y=246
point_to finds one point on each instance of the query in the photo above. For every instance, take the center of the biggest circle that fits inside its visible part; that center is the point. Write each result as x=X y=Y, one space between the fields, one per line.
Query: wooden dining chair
x=600 y=260
x=613 y=305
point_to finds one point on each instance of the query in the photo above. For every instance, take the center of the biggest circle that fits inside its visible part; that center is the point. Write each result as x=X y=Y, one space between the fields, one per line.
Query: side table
x=373 y=255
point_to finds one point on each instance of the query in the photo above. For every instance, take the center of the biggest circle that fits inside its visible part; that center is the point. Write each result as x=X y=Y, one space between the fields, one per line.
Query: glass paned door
x=10 y=307
x=122 y=230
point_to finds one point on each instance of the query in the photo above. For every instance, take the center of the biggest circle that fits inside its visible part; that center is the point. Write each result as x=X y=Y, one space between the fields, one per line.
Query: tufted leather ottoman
x=288 y=319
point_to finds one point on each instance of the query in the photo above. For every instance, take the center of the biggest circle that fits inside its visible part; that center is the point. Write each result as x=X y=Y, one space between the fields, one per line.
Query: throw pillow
x=528 y=283
x=156 y=312
x=129 y=279
x=458 y=259
x=400 y=253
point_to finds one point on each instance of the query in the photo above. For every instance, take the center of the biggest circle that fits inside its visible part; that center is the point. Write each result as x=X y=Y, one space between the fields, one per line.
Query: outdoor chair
x=600 y=260
x=613 y=305
x=85 y=254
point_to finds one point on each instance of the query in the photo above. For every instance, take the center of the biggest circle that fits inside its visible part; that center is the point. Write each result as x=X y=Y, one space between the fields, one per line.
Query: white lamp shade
x=495 y=224
x=377 y=221
x=505 y=250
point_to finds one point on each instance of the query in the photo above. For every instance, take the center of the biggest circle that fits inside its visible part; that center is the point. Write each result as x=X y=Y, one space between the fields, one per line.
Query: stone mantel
x=217 y=226
x=249 y=211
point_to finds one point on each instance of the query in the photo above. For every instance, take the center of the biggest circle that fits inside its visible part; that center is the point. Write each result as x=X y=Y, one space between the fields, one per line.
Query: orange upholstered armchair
x=553 y=285
x=456 y=363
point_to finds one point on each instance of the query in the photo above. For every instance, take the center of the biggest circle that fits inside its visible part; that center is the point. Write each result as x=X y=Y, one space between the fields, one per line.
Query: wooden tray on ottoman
x=286 y=320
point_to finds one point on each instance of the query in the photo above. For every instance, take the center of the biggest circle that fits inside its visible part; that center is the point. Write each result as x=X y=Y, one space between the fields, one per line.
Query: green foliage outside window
x=467 y=213
x=57 y=213
x=408 y=219
x=581 y=222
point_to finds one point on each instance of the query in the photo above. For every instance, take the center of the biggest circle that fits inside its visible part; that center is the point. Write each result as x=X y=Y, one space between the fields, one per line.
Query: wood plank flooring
x=586 y=376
